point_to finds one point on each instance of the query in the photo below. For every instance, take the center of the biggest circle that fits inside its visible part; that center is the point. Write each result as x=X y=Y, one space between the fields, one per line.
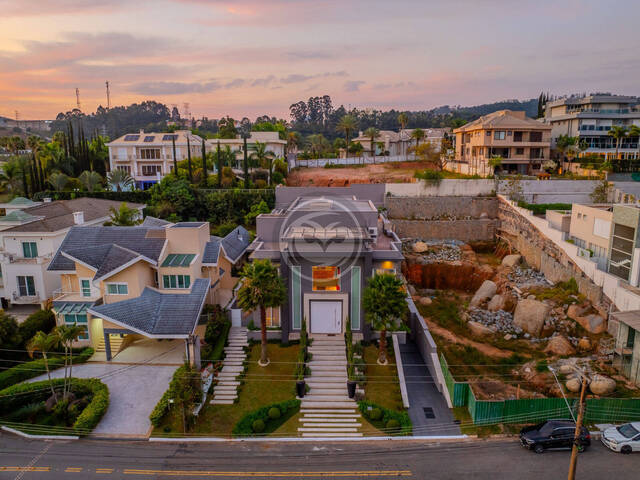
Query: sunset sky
x=251 y=57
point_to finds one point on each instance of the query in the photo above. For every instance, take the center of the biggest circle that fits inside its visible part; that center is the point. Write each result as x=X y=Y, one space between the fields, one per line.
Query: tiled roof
x=158 y=314
x=58 y=215
x=104 y=258
x=98 y=241
x=236 y=243
x=211 y=251
x=18 y=216
x=505 y=119
x=21 y=201
x=154 y=222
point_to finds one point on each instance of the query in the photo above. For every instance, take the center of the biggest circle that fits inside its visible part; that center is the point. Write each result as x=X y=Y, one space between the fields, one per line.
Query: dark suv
x=553 y=434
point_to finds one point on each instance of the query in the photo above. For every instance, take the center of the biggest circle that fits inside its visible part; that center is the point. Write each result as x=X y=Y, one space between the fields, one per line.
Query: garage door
x=326 y=317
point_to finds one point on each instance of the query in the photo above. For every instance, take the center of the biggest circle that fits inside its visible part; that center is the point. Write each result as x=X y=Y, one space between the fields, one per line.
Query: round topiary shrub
x=393 y=425
x=274 y=413
x=375 y=414
x=258 y=426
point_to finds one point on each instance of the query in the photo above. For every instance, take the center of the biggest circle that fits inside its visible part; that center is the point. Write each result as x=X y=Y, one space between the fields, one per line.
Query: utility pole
x=576 y=438
x=78 y=97
x=108 y=95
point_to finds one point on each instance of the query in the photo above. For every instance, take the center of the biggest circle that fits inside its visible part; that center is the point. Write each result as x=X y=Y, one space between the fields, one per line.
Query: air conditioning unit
x=373 y=232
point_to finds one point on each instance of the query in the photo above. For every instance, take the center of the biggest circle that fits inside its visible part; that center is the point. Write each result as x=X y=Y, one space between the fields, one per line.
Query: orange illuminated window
x=326 y=278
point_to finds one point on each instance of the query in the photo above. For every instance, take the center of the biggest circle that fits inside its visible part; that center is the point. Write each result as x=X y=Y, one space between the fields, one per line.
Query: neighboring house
x=326 y=245
x=625 y=329
x=591 y=117
x=30 y=237
x=148 y=157
x=590 y=229
x=399 y=143
x=624 y=248
x=149 y=281
x=17 y=204
x=273 y=143
x=521 y=142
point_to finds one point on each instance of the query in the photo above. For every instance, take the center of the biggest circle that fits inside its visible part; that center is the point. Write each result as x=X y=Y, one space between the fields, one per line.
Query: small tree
x=44 y=343
x=261 y=288
x=495 y=161
x=90 y=180
x=120 y=180
x=58 y=181
x=124 y=216
x=514 y=188
x=372 y=133
x=601 y=191
x=66 y=335
x=384 y=302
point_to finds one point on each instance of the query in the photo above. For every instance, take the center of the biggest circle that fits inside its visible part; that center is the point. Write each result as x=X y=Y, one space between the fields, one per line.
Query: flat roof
x=333 y=203
x=631 y=318
x=326 y=233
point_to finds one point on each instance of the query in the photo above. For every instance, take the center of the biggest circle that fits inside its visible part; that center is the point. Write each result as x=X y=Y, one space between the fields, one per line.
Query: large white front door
x=326 y=316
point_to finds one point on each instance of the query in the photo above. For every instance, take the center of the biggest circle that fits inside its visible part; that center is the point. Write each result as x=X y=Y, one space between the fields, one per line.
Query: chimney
x=47 y=200
x=78 y=218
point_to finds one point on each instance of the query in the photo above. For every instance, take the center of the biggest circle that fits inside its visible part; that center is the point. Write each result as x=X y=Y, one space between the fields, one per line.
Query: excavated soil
x=397 y=172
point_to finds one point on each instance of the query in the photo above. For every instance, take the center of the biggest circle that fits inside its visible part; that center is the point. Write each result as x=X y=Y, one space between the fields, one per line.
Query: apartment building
x=522 y=143
x=148 y=157
x=591 y=117
x=273 y=143
x=143 y=283
x=30 y=237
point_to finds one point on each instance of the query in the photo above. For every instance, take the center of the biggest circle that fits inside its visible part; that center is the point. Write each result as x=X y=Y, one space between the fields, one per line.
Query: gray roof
x=58 y=215
x=211 y=251
x=154 y=222
x=97 y=242
x=236 y=243
x=188 y=224
x=22 y=201
x=158 y=314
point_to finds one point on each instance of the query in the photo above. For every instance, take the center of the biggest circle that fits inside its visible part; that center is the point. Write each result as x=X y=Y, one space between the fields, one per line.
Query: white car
x=624 y=439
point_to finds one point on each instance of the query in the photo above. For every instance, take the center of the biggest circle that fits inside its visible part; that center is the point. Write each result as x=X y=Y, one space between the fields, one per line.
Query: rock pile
x=499 y=321
x=526 y=277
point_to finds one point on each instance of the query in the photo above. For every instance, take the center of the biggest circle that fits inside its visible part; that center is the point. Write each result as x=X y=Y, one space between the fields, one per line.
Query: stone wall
x=478 y=230
x=435 y=208
x=542 y=253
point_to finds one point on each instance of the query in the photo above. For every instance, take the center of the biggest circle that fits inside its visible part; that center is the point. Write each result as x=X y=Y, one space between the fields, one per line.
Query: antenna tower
x=78 y=97
x=108 y=95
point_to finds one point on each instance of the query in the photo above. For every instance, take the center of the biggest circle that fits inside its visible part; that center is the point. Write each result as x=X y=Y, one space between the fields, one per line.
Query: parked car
x=553 y=435
x=624 y=439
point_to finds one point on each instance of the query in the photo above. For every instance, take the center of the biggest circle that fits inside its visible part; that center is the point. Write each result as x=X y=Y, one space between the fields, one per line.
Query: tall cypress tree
x=42 y=179
x=204 y=164
x=25 y=186
x=247 y=182
x=175 y=162
x=189 y=159
x=36 y=185
x=219 y=165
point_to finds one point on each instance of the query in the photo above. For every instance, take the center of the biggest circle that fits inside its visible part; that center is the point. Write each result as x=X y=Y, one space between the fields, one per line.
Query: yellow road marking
x=73 y=469
x=104 y=470
x=26 y=469
x=205 y=473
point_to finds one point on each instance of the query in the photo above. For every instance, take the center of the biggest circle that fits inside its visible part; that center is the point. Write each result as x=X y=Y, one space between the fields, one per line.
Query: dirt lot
x=398 y=172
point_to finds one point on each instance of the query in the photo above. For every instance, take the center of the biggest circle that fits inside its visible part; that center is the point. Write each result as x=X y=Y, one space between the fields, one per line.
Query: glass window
x=176 y=281
x=30 y=249
x=273 y=316
x=631 y=337
x=326 y=278
x=117 y=289
x=26 y=286
x=499 y=135
x=85 y=287
x=80 y=320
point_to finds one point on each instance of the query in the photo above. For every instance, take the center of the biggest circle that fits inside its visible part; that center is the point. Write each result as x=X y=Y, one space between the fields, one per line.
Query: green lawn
x=261 y=386
x=382 y=385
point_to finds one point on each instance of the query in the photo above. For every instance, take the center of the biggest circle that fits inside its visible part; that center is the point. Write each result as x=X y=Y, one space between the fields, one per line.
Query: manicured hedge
x=28 y=370
x=244 y=427
x=404 y=422
x=162 y=407
x=541 y=208
x=218 y=348
x=21 y=394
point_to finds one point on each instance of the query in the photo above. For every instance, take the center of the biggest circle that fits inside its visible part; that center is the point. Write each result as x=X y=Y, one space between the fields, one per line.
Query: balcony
x=18 y=298
x=17 y=259
x=61 y=295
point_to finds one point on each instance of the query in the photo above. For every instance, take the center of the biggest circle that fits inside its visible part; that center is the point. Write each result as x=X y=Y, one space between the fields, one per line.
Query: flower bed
x=390 y=422
x=266 y=419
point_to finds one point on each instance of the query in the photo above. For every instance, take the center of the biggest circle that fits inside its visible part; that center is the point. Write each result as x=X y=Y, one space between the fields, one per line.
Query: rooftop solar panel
x=131 y=138
x=149 y=138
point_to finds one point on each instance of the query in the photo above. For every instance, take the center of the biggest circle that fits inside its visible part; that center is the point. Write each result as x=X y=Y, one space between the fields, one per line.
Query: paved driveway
x=133 y=392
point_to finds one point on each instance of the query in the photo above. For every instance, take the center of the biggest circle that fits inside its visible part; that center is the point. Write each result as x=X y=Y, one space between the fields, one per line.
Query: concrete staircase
x=114 y=340
x=225 y=391
x=327 y=410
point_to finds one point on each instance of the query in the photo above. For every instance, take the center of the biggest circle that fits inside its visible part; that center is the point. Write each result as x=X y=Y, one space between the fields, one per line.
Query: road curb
x=444 y=438
x=39 y=437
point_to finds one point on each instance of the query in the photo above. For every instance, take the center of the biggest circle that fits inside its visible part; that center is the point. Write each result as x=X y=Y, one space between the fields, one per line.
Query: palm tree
x=372 y=133
x=293 y=141
x=618 y=133
x=43 y=343
x=124 y=216
x=417 y=134
x=204 y=164
x=66 y=335
x=634 y=131
x=261 y=288
x=347 y=124
x=385 y=304
x=263 y=157
x=119 y=180
x=403 y=120
x=58 y=181
x=12 y=175
x=90 y=180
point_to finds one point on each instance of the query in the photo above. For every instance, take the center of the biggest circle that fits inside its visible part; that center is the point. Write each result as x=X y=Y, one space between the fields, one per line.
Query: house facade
x=144 y=282
x=326 y=245
x=625 y=329
x=273 y=143
x=29 y=239
x=148 y=156
x=398 y=143
x=590 y=229
x=591 y=117
x=522 y=143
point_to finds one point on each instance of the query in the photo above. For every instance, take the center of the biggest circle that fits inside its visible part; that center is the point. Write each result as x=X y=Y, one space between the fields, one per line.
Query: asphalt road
x=503 y=459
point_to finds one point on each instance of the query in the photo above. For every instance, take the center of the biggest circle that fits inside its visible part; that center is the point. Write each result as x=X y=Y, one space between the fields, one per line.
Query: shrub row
x=21 y=394
x=266 y=418
x=541 y=208
x=25 y=371
x=300 y=371
x=389 y=421
x=162 y=407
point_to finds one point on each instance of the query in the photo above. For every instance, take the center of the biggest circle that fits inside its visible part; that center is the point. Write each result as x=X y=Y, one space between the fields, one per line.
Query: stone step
x=329 y=435
x=231 y=369
x=227 y=383
x=332 y=426
x=234 y=349
x=336 y=416
x=226 y=376
x=329 y=391
x=328 y=354
x=328 y=370
x=321 y=410
x=329 y=420
x=327 y=430
x=233 y=363
x=314 y=404
x=221 y=402
x=225 y=388
x=340 y=378
x=320 y=385
x=328 y=343
x=314 y=397
x=327 y=363
x=225 y=396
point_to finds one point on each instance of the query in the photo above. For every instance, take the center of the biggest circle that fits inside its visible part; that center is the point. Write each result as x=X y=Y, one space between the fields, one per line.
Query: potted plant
x=351 y=382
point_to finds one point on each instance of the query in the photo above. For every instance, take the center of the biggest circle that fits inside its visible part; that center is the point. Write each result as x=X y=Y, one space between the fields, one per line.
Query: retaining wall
x=434 y=208
x=479 y=230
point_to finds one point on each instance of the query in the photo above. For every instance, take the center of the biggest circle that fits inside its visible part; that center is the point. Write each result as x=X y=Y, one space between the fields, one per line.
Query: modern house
x=143 y=283
x=148 y=157
x=16 y=204
x=590 y=229
x=30 y=237
x=273 y=143
x=625 y=329
x=522 y=143
x=326 y=243
x=398 y=143
x=591 y=117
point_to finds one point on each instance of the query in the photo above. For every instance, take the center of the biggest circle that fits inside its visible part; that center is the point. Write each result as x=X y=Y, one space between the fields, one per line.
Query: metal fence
x=321 y=162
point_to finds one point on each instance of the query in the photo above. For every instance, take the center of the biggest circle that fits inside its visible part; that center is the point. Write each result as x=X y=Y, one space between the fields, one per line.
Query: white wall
x=445 y=188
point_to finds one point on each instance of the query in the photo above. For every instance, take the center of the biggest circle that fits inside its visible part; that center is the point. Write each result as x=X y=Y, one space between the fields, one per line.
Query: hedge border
x=406 y=427
x=90 y=416
x=218 y=348
x=25 y=371
x=162 y=407
x=243 y=428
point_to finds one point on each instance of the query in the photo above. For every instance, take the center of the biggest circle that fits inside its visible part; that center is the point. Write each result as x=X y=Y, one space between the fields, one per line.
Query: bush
x=541 y=208
x=9 y=332
x=392 y=425
x=430 y=176
x=162 y=407
x=27 y=370
x=244 y=427
x=42 y=320
x=375 y=414
x=92 y=414
x=258 y=426
x=274 y=413
x=370 y=410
